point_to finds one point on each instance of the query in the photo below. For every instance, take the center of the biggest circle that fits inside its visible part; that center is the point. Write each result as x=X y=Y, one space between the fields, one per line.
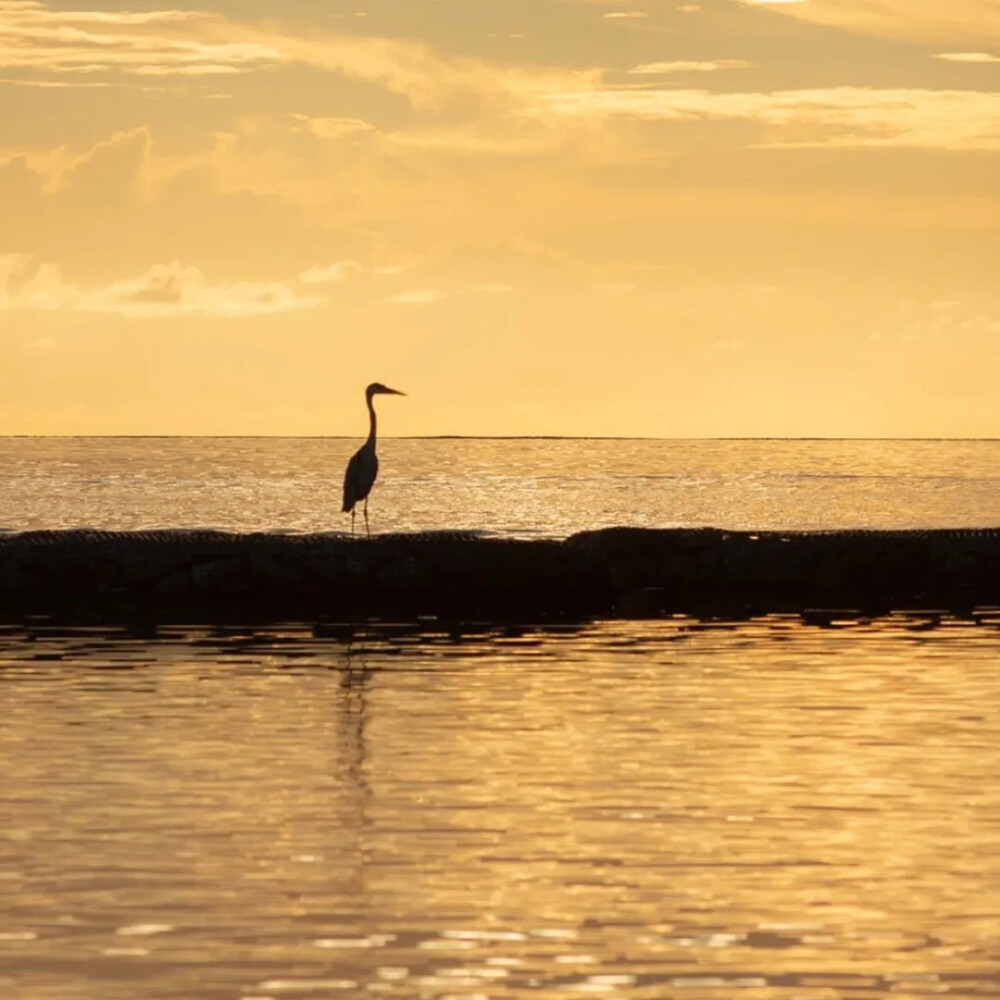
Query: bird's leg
x=352 y=522
x=367 y=531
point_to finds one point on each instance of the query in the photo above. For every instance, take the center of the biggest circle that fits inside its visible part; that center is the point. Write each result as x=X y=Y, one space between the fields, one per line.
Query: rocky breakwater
x=195 y=576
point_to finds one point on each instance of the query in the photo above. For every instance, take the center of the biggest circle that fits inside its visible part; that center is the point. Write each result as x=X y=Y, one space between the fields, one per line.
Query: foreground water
x=618 y=810
x=508 y=487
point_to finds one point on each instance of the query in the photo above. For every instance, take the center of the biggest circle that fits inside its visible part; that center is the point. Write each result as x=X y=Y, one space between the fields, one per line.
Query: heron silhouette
x=363 y=466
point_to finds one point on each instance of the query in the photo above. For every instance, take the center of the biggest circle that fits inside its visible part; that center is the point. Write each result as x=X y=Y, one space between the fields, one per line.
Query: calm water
x=621 y=811
x=632 y=811
x=510 y=487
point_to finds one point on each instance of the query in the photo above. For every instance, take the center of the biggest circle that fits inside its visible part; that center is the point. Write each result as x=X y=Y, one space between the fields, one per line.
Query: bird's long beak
x=394 y=392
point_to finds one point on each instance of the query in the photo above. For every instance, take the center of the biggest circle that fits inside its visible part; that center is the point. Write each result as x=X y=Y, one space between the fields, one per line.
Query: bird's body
x=360 y=475
x=363 y=466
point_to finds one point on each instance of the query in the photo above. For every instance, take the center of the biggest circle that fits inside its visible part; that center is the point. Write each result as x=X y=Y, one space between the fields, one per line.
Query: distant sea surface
x=509 y=487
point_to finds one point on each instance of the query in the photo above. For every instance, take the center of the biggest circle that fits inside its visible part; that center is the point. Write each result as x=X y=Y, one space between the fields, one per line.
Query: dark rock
x=628 y=572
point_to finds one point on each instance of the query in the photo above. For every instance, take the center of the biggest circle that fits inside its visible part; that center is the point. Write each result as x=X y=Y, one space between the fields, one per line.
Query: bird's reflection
x=352 y=829
x=356 y=675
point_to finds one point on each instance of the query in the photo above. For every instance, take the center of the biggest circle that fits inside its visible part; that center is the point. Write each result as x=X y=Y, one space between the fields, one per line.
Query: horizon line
x=494 y=437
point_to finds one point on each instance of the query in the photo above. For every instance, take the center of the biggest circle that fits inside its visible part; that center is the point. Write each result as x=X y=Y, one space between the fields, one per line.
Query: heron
x=363 y=466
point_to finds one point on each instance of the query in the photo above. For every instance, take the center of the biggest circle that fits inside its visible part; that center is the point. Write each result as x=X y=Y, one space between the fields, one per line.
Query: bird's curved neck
x=371 y=420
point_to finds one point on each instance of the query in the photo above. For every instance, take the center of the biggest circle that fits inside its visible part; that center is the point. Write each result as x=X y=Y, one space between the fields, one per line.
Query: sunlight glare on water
x=521 y=487
x=624 y=810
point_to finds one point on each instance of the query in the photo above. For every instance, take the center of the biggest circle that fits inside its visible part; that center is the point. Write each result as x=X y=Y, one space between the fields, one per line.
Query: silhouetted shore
x=206 y=576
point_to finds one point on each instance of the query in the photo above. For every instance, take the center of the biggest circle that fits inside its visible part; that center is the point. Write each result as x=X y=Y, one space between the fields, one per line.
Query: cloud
x=36 y=11
x=968 y=57
x=428 y=296
x=10 y=81
x=164 y=290
x=332 y=128
x=418 y=297
x=680 y=66
x=26 y=284
x=427 y=80
x=332 y=272
x=838 y=117
x=41 y=45
x=36 y=38
x=920 y=20
x=172 y=289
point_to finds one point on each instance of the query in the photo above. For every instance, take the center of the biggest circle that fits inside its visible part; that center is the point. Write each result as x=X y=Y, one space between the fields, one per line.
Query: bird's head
x=376 y=388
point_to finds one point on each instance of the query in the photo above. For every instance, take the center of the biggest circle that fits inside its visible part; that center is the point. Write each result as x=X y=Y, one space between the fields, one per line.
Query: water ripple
x=773 y=808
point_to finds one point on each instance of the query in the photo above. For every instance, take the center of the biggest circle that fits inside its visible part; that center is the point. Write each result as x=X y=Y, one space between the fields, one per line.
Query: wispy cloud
x=331 y=128
x=10 y=81
x=164 y=290
x=331 y=272
x=842 y=117
x=968 y=57
x=428 y=296
x=414 y=70
x=35 y=37
x=40 y=44
x=418 y=297
x=172 y=289
x=682 y=66
x=923 y=20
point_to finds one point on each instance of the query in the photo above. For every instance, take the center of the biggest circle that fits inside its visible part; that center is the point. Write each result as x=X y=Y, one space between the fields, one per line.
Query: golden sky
x=683 y=218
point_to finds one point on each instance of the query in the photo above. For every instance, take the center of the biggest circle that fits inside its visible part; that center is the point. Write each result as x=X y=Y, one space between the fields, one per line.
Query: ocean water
x=615 y=810
x=767 y=809
x=518 y=487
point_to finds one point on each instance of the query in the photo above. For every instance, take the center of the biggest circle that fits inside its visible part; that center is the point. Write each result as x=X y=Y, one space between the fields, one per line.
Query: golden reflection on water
x=523 y=487
x=633 y=810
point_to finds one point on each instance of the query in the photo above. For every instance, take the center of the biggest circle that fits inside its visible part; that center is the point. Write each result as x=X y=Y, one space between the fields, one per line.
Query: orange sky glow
x=584 y=217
